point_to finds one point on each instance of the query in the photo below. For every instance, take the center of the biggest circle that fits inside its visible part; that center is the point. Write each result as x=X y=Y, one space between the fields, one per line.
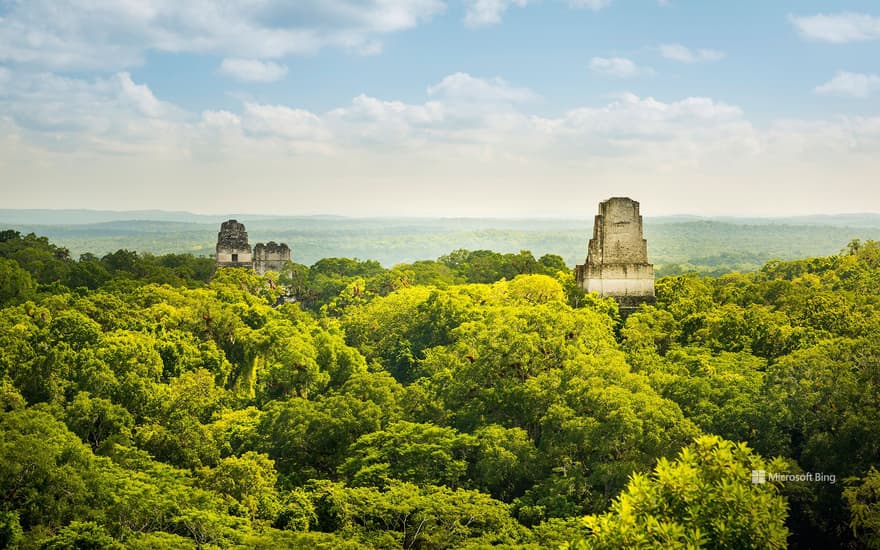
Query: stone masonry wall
x=270 y=256
x=233 y=249
x=617 y=234
x=617 y=259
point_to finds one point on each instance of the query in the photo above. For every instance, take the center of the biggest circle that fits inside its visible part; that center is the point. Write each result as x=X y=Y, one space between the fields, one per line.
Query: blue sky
x=441 y=107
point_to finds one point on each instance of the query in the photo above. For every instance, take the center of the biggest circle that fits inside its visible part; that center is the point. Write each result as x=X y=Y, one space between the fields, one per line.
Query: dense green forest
x=475 y=400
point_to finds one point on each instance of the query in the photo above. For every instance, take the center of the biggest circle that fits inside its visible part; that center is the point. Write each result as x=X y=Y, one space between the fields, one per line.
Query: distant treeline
x=44 y=263
x=710 y=247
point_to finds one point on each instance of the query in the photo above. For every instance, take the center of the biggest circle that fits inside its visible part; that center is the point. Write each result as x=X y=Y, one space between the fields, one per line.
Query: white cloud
x=140 y=96
x=470 y=130
x=283 y=121
x=475 y=139
x=619 y=67
x=220 y=119
x=481 y=13
x=683 y=54
x=850 y=85
x=594 y=5
x=252 y=70
x=106 y=115
x=51 y=102
x=464 y=86
x=838 y=28
x=366 y=108
x=110 y=34
x=634 y=117
x=368 y=122
x=462 y=113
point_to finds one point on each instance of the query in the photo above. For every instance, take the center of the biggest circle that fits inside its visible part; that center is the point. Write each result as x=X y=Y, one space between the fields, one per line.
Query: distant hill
x=835 y=220
x=38 y=217
x=70 y=217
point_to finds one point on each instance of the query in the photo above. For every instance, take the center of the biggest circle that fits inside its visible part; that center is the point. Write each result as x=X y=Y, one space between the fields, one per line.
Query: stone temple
x=233 y=250
x=617 y=257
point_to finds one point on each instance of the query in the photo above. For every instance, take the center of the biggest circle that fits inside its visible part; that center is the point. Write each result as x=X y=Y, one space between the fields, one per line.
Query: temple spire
x=617 y=258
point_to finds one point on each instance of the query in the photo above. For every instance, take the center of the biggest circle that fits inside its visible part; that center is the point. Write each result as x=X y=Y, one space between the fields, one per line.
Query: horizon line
x=567 y=216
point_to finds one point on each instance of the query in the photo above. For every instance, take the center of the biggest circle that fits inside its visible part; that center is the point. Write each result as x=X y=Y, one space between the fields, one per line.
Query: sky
x=491 y=108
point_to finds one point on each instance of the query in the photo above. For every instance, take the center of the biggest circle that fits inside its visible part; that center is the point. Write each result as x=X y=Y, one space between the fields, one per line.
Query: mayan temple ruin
x=617 y=257
x=233 y=250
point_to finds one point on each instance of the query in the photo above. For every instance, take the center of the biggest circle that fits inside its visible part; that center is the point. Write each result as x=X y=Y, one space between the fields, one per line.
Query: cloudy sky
x=441 y=107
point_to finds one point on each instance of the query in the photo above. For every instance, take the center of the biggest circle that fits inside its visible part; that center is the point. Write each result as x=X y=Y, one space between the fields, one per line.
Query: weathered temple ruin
x=233 y=250
x=617 y=258
x=270 y=256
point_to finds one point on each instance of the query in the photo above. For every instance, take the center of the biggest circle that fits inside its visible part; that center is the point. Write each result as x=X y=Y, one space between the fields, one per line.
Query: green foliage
x=47 y=475
x=10 y=529
x=479 y=400
x=863 y=500
x=506 y=461
x=249 y=479
x=16 y=284
x=704 y=499
x=44 y=261
x=397 y=329
x=485 y=266
x=830 y=391
x=724 y=394
x=98 y=421
x=405 y=451
x=297 y=512
x=82 y=536
x=309 y=439
x=407 y=516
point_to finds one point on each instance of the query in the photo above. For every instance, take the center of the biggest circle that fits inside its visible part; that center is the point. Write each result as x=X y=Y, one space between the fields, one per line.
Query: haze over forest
x=675 y=243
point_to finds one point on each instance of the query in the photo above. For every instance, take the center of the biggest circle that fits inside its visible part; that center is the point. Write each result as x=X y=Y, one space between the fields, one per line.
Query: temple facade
x=233 y=250
x=617 y=257
x=270 y=256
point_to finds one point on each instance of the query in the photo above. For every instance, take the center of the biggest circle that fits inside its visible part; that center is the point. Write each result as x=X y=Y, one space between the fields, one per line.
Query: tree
x=122 y=260
x=419 y=453
x=88 y=272
x=289 y=364
x=16 y=284
x=397 y=329
x=505 y=462
x=407 y=516
x=46 y=473
x=552 y=264
x=82 y=536
x=45 y=262
x=249 y=479
x=481 y=375
x=309 y=439
x=862 y=497
x=297 y=512
x=96 y=420
x=74 y=329
x=10 y=529
x=705 y=498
